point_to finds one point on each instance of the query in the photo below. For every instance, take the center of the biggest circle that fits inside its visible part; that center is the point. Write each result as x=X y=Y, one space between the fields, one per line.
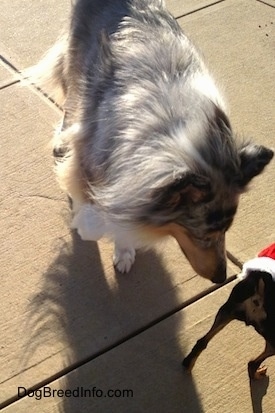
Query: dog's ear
x=261 y=287
x=185 y=188
x=253 y=160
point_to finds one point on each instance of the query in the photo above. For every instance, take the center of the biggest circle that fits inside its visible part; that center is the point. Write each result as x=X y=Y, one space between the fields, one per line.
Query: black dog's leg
x=254 y=369
x=223 y=317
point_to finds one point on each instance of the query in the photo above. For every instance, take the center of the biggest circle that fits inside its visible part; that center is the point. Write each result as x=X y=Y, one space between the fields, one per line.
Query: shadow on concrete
x=258 y=389
x=93 y=314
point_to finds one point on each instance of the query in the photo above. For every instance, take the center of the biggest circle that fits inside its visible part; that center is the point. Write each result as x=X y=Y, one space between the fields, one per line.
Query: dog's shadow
x=81 y=309
x=258 y=389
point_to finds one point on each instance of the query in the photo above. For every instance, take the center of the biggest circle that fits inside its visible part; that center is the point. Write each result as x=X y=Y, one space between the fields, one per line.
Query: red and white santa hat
x=265 y=261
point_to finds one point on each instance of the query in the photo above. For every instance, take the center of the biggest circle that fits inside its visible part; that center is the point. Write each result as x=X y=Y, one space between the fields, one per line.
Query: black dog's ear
x=185 y=188
x=253 y=159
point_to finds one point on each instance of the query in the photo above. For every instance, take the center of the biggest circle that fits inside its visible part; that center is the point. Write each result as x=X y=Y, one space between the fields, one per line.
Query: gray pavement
x=68 y=321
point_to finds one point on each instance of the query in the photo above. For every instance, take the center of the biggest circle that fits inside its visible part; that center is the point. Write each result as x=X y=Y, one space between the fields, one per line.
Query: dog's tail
x=48 y=74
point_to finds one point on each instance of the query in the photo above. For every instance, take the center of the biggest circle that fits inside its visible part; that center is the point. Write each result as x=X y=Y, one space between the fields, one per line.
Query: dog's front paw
x=256 y=373
x=124 y=258
x=260 y=373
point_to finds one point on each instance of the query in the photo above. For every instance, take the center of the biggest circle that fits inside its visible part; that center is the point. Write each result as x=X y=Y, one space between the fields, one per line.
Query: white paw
x=88 y=223
x=124 y=258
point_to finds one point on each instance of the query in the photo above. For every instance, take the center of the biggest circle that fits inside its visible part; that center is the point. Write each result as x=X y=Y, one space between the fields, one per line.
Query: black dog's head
x=253 y=299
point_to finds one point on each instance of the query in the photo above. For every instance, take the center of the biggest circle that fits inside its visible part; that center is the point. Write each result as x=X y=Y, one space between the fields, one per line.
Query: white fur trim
x=258 y=264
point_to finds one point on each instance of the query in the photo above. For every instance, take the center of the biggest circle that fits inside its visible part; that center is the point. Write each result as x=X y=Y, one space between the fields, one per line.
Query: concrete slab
x=237 y=38
x=149 y=368
x=3 y=73
x=30 y=212
x=8 y=76
x=267 y=2
x=182 y=7
x=62 y=303
x=26 y=32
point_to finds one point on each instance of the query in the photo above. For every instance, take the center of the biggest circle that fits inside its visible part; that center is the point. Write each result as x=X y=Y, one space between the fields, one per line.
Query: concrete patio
x=68 y=321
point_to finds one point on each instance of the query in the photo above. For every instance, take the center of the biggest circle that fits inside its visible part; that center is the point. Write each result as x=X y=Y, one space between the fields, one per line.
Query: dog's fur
x=146 y=149
x=252 y=301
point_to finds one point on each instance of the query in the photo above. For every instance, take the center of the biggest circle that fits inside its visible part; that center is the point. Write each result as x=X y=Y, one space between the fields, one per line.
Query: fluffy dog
x=146 y=149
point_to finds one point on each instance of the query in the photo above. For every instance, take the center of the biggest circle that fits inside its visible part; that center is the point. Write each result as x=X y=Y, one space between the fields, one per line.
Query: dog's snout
x=219 y=279
x=220 y=275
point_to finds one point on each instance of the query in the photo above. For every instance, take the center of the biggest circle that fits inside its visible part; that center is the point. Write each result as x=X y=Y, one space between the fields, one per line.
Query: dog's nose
x=220 y=275
x=219 y=279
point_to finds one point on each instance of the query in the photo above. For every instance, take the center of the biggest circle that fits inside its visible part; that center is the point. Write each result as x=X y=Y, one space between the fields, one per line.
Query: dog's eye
x=256 y=303
x=205 y=241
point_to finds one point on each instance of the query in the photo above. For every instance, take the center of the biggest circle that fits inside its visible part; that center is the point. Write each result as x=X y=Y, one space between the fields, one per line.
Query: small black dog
x=252 y=301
